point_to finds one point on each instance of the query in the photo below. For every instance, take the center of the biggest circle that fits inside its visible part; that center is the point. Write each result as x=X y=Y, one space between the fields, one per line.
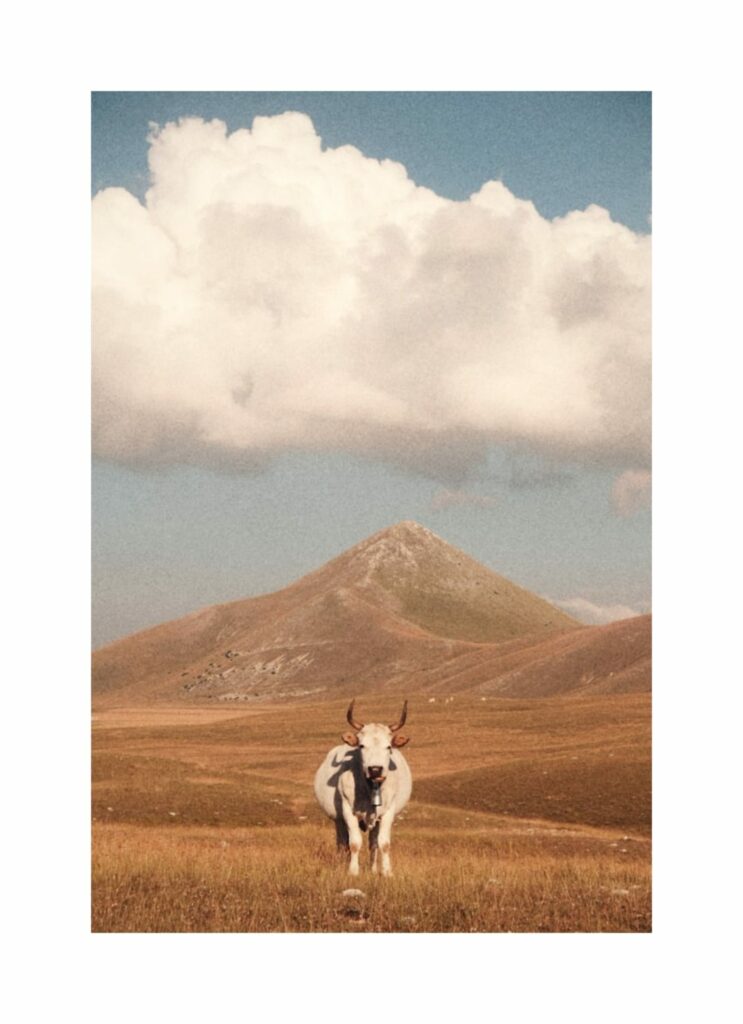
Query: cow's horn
x=349 y=716
x=403 y=716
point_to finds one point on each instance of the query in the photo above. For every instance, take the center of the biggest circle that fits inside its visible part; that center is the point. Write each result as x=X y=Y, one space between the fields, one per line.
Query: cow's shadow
x=351 y=762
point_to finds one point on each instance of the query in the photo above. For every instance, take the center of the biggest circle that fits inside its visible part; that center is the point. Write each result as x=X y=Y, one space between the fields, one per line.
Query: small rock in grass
x=353 y=892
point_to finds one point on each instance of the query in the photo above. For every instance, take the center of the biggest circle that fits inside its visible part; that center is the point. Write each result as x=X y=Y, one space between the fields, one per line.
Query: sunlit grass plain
x=526 y=816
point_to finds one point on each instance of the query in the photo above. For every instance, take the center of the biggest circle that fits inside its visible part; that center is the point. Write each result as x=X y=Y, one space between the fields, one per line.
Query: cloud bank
x=594 y=614
x=274 y=296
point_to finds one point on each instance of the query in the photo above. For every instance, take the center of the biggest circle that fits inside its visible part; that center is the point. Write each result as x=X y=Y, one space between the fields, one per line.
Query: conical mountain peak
x=401 y=602
x=409 y=526
x=400 y=538
x=422 y=579
x=407 y=531
x=404 y=553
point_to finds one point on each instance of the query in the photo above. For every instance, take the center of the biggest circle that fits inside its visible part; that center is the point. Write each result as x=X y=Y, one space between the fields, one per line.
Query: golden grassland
x=526 y=816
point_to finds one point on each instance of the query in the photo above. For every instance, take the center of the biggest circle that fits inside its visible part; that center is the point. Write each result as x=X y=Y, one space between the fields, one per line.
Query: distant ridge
x=400 y=609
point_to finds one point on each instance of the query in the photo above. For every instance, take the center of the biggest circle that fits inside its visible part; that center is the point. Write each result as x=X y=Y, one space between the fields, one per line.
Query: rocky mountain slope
x=401 y=610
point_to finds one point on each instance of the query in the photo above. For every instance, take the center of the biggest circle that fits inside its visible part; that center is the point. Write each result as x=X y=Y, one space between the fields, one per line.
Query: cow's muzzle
x=375 y=774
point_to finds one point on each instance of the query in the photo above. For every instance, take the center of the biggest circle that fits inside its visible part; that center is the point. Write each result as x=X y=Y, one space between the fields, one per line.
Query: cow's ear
x=351 y=739
x=400 y=741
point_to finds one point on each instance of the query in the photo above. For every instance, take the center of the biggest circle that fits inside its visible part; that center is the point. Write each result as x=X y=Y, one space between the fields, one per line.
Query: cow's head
x=375 y=743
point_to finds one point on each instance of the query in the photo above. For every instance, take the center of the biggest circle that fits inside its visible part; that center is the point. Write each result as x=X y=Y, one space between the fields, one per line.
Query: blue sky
x=564 y=518
x=562 y=150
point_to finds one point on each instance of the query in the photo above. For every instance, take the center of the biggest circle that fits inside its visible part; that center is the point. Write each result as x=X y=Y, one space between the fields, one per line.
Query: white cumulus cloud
x=271 y=295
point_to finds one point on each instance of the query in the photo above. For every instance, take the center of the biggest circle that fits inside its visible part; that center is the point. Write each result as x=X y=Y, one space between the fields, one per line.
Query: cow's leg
x=385 y=835
x=341 y=834
x=354 y=837
x=374 y=848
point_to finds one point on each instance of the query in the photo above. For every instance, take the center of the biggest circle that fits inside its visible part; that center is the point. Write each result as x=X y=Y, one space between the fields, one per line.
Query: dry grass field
x=527 y=815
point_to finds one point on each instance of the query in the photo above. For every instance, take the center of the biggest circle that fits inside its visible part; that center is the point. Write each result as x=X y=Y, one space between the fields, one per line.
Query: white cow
x=363 y=784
